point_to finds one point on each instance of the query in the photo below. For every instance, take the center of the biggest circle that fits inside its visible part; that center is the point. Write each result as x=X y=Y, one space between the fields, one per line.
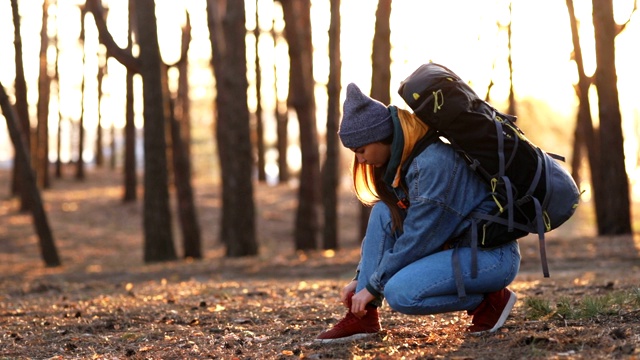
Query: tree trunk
x=180 y=124
x=282 y=117
x=112 y=146
x=99 y=133
x=187 y=214
x=301 y=97
x=331 y=173
x=44 y=96
x=616 y=215
x=260 y=149
x=80 y=175
x=130 y=168
x=41 y=224
x=381 y=75
x=158 y=234
x=191 y=236
x=282 y=123
x=512 y=96
x=22 y=109
x=130 y=171
x=56 y=79
x=226 y=21
x=585 y=135
x=183 y=103
x=381 y=54
x=158 y=242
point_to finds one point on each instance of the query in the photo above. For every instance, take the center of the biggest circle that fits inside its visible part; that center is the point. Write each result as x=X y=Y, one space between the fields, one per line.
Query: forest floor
x=105 y=303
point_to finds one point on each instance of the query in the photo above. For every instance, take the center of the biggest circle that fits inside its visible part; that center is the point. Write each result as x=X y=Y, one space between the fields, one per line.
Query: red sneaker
x=352 y=327
x=492 y=312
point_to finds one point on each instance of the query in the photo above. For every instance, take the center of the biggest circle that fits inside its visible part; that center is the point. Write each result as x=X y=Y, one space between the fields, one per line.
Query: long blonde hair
x=370 y=188
x=368 y=182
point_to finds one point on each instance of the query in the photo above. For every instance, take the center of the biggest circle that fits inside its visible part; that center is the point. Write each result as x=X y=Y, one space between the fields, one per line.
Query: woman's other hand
x=347 y=291
x=359 y=302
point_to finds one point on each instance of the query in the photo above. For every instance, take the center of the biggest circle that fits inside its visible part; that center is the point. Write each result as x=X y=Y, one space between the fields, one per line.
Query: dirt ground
x=105 y=303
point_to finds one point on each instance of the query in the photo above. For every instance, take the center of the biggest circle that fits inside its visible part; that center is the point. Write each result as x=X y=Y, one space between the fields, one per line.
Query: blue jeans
x=428 y=285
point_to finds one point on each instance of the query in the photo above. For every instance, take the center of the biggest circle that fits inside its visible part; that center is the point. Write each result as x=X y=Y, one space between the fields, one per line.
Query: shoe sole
x=503 y=317
x=346 y=338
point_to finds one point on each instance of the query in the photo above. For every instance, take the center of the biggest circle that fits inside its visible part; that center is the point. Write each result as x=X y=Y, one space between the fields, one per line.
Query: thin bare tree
x=380 y=75
x=512 y=96
x=281 y=113
x=22 y=108
x=102 y=71
x=80 y=173
x=259 y=137
x=616 y=213
x=187 y=213
x=158 y=234
x=130 y=193
x=44 y=97
x=585 y=136
x=45 y=236
x=330 y=170
x=226 y=21
x=297 y=17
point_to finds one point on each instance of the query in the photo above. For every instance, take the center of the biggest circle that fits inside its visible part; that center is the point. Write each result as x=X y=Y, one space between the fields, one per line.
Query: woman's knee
x=380 y=216
x=397 y=297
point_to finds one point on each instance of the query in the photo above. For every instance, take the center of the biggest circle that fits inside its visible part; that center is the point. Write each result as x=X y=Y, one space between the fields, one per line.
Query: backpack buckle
x=403 y=203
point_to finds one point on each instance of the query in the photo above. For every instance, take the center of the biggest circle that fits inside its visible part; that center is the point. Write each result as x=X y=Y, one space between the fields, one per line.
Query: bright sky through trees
x=461 y=34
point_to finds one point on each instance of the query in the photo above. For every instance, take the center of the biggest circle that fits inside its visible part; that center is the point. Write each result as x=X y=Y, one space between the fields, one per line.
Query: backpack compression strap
x=541 y=224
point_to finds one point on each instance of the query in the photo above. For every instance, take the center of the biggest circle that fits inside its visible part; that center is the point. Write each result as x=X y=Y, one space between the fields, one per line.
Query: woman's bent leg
x=428 y=286
x=378 y=239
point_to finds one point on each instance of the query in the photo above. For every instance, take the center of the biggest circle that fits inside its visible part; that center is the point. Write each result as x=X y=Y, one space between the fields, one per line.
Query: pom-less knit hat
x=364 y=120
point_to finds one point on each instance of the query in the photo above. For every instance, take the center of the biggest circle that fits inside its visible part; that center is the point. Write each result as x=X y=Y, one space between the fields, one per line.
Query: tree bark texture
x=331 y=173
x=22 y=108
x=259 y=137
x=585 y=134
x=297 y=17
x=130 y=171
x=99 y=159
x=158 y=241
x=381 y=75
x=616 y=214
x=191 y=234
x=44 y=96
x=80 y=175
x=47 y=245
x=226 y=21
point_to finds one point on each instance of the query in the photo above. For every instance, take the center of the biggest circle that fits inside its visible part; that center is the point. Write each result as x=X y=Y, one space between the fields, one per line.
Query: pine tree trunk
x=130 y=171
x=301 y=98
x=227 y=26
x=615 y=217
x=585 y=135
x=381 y=75
x=41 y=224
x=44 y=96
x=331 y=173
x=22 y=109
x=158 y=241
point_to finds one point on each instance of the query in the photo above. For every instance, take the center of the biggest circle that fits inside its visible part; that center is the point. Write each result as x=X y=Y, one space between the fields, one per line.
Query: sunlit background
x=468 y=36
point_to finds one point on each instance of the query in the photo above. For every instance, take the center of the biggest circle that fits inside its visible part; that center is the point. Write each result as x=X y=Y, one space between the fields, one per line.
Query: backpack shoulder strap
x=429 y=138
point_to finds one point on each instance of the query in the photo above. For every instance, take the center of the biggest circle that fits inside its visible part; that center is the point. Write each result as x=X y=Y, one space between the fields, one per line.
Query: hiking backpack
x=534 y=194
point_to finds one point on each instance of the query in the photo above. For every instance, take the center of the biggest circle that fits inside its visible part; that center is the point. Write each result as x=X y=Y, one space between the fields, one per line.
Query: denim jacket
x=442 y=191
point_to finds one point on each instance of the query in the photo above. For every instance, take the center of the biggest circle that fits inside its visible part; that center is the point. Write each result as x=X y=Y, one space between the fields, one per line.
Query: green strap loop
x=438 y=100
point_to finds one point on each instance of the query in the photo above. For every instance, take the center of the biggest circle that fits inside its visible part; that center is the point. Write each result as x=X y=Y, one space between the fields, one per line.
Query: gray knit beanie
x=364 y=120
